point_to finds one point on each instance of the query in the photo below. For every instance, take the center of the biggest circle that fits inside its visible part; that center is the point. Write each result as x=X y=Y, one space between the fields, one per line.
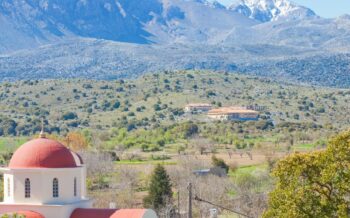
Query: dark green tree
x=218 y=162
x=69 y=116
x=159 y=192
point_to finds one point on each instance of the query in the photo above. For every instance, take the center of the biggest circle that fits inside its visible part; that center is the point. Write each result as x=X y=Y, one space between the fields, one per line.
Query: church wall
x=8 y=188
x=48 y=211
x=41 y=185
x=19 y=187
x=66 y=186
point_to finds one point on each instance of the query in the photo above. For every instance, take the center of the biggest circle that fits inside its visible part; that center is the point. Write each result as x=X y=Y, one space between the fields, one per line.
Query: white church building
x=45 y=179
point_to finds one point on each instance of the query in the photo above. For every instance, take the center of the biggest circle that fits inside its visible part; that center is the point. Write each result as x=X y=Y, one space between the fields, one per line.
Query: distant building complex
x=198 y=108
x=226 y=113
x=233 y=113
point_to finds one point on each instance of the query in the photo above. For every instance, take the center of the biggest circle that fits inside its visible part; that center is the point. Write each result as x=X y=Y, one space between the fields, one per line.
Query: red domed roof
x=42 y=153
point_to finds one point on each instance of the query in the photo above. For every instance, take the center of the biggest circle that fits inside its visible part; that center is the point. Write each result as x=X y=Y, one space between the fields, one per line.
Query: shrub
x=69 y=116
x=218 y=162
x=116 y=105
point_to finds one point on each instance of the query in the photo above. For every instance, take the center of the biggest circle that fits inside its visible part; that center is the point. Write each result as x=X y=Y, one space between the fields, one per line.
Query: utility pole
x=189 y=200
x=178 y=203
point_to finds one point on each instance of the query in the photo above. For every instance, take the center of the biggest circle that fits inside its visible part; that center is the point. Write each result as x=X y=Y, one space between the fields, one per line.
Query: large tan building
x=198 y=108
x=233 y=113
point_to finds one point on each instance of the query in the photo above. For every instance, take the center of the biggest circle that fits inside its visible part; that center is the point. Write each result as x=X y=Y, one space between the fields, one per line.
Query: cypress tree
x=159 y=191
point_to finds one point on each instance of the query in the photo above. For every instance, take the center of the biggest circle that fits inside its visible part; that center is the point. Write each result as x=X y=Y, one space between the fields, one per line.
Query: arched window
x=27 y=188
x=8 y=187
x=75 y=186
x=55 y=188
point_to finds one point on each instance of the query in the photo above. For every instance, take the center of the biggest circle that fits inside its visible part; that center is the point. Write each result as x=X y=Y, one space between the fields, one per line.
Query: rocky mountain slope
x=272 y=10
x=29 y=23
x=107 y=39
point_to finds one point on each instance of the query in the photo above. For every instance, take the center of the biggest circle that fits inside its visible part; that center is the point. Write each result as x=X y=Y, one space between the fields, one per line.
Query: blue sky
x=324 y=8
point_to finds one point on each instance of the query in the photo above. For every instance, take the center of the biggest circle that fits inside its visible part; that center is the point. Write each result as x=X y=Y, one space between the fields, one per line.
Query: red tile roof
x=231 y=110
x=108 y=213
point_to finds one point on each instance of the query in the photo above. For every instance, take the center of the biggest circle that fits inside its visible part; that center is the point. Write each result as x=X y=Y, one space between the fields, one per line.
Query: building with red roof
x=45 y=179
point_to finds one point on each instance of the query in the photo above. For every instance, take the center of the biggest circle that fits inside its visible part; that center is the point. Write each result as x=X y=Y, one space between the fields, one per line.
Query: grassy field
x=248 y=170
x=148 y=162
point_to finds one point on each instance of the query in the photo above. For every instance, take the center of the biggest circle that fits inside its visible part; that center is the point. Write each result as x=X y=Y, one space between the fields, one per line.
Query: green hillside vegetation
x=158 y=99
x=147 y=113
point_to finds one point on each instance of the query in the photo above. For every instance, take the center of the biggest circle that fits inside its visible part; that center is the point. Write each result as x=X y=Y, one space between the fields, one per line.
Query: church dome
x=43 y=153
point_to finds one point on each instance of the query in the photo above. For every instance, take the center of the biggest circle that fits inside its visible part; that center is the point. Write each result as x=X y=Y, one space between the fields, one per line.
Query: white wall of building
x=41 y=185
x=8 y=188
x=48 y=211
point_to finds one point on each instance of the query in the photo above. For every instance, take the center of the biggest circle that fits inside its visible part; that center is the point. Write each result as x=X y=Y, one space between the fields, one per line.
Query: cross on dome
x=42 y=132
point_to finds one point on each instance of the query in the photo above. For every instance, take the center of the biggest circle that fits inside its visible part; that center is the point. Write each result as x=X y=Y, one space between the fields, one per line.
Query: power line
x=222 y=207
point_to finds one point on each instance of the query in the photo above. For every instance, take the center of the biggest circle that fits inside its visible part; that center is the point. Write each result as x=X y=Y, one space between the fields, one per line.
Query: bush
x=218 y=162
x=144 y=147
x=116 y=105
x=69 y=116
x=157 y=107
x=189 y=129
x=161 y=142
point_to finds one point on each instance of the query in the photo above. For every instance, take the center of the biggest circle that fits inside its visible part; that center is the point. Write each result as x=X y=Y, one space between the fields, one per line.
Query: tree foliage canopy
x=159 y=190
x=315 y=184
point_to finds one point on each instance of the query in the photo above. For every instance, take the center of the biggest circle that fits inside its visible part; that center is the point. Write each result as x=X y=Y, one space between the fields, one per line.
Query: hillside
x=319 y=70
x=99 y=59
x=123 y=128
x=159 y=99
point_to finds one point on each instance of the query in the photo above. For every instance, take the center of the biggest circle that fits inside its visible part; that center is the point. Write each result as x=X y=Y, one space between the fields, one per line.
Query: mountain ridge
x=142 y=22
x=271 y=10
x=107 y=39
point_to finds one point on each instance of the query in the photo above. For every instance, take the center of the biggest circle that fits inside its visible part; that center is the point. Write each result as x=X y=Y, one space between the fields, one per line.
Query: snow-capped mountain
x=108 y=39
x=271 y=10
x=31 y=23
x=28 y=23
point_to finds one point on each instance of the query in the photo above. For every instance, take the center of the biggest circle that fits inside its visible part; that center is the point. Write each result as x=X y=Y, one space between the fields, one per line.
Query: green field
x=148 y=162
x=248 y=170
